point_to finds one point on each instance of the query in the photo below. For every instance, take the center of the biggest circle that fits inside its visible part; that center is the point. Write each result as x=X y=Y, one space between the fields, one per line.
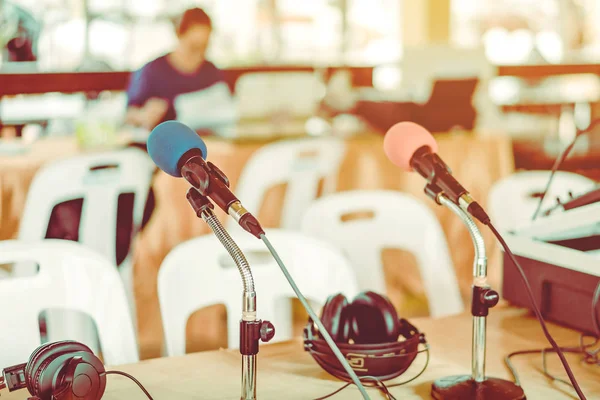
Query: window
x=117 y=34
x=516 y=31
x=375 y=31
x=367 y=32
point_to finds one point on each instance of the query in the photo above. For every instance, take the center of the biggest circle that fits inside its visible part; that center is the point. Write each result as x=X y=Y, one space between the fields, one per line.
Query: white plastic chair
x=513 y=200
x=200 y=273
x=99 y=179
x=299 y=163
x=70 y=276
x=398 y=221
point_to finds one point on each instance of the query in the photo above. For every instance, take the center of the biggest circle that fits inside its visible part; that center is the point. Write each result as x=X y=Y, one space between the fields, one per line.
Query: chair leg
x=126 y=271
x=64 y=324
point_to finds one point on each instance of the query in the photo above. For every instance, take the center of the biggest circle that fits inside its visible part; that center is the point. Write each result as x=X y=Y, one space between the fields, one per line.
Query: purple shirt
x=160 y=79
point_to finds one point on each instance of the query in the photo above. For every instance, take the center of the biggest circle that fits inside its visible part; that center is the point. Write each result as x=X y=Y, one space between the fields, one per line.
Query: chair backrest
x=445 y=91
x=388 y=220
x=70 y=276
x=100 y=179
x=513 y=200
x=450 y=105
x=199 y=273
x=301 y=164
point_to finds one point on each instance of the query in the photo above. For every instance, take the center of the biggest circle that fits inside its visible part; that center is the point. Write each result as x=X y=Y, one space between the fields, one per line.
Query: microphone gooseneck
x=249 y=299
x=479 y=285
x=234 y=251
x=249 y=325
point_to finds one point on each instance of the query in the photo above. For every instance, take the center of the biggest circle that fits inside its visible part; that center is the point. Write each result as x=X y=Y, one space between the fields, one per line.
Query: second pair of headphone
x=65 y=370
x=370 y=335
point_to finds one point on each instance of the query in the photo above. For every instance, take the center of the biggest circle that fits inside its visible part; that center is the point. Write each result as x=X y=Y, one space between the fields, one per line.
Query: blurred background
x=504 y=85
x=531 y=60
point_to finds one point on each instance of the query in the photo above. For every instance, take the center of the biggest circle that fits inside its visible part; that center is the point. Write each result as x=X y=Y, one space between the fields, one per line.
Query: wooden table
x=544 y=70
x=287 y=372
x=548 y=96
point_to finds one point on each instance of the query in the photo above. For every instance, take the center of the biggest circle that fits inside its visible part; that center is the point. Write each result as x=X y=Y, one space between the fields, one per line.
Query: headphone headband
x=383 y=361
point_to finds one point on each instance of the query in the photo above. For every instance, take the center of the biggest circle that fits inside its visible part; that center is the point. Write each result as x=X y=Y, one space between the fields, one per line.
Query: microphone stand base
x=459 y=387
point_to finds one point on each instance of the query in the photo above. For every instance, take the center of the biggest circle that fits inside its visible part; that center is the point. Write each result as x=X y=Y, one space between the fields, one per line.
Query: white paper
x=211 y=108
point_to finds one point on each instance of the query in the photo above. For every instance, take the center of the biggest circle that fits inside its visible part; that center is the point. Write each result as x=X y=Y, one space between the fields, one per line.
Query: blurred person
x=175 y=80
x=19 y=33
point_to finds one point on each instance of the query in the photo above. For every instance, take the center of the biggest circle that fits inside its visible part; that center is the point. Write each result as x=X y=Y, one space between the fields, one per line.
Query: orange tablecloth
x=476 y=161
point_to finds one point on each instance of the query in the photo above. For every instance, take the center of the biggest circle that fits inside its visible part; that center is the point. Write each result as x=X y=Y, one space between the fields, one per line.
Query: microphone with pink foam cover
x=403 y=140
x=400 y=144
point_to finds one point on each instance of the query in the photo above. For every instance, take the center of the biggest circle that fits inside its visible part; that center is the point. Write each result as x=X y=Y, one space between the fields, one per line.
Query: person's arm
x=219 y=76
x=137 y=94
x=143 y=109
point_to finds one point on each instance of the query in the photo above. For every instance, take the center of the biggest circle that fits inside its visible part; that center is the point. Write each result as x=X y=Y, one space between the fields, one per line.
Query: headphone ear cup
x=333 y=318
x=88 y=376
x=43 y=355
x=374 y=319
x=42 y=358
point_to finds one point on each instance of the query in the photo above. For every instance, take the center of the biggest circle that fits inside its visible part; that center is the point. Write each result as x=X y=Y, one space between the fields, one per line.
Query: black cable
x=417 y=375
x=589 y=356
x=376 y=383
x=133 y=379
x=543 y=352
x=557 y=164
x=559 y=160
x=538 y=314
x=379 y=384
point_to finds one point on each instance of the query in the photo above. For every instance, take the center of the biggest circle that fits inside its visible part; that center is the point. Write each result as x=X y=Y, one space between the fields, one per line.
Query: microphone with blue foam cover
x=178 y=150
x=169 y=142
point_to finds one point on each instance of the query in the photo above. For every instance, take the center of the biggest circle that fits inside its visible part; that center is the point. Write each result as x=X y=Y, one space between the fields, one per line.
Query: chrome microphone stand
x=476 y=385
x=251 y=329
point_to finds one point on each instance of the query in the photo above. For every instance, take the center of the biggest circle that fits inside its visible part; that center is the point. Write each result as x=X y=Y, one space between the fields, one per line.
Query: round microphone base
x=460 y=387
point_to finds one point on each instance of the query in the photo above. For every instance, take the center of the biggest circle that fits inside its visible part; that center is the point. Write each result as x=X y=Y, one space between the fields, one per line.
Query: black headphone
x=367 y=332
x=65 y=370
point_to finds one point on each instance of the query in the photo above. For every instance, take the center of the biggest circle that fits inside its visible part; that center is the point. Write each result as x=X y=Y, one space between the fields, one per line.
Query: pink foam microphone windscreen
x=403 y=139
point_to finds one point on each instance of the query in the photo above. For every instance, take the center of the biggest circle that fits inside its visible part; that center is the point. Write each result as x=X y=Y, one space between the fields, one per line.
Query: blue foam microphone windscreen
x=169 y=141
